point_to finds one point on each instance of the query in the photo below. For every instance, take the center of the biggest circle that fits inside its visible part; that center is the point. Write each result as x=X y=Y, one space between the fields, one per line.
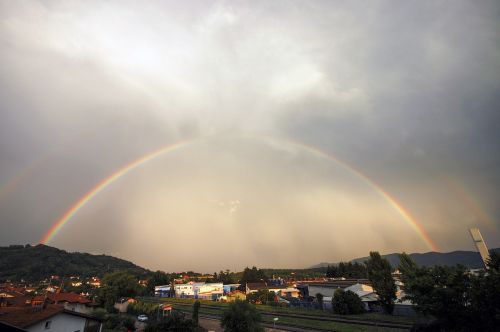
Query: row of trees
x=348 y=270
x=252 y=275
x=459 y=300
x=226 y=277
x=453 y=297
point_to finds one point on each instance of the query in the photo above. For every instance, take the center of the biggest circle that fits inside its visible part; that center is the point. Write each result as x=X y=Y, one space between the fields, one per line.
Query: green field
x=215 y=308
x=378 y=317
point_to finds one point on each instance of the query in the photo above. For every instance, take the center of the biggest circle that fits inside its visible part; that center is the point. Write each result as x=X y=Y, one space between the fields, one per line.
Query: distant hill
x=33 y=263
x=470 y=259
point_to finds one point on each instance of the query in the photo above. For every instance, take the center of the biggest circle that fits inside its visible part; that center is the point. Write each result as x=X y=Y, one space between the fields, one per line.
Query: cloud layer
x=405 y=93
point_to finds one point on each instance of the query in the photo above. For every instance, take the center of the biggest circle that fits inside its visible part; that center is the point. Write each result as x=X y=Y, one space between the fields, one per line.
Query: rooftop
x=27 y=316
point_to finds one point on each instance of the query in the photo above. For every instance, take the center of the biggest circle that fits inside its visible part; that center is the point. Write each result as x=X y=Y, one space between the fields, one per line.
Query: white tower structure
x=480 y=245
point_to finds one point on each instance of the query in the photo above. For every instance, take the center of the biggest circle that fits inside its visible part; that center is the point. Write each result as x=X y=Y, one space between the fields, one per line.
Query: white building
x=211 y=291
x=325 y=290
x=162 y=290
x=201 y=290
x=189 y=290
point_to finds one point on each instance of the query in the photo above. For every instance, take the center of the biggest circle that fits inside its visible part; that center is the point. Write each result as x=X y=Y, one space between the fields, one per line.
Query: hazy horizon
x=294 y=133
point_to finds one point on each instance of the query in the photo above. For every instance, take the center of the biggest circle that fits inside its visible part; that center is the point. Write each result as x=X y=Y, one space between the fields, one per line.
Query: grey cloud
x=405 y=92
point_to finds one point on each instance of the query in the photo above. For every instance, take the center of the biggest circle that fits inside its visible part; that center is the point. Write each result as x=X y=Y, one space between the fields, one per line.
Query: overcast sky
x=406 y=93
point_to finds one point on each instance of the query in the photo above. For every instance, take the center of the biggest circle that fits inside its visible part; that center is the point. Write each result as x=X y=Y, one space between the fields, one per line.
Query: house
x=94 y=282
x=403 y=306
x=123 y=303
x=366 y=293
x=13 y=298
x=162 y=290
x=210 y=291
x=236 y=295
x=48 y=317
x=289 y=292
x=4 y=327
x=328 y=288
x=199 y=290
x=70 y=301
x=189 y=290
x=228 y=288
x=166 y=310
x=253 y=287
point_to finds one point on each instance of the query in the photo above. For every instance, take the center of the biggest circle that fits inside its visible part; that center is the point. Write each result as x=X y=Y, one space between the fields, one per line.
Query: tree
x=347 y=303
x=225 y=277
x=493 y=262
x=379 y=273
x=241 y=316
x=457 y=299
x=116 y=285
x=196 y=311
x=252 y=275
x=485 y=297
x=319 y=298
x=262 y=295
x=129 y=324
x=118 y=322
x=175 y=322
x=347 y=270
x=159 y=278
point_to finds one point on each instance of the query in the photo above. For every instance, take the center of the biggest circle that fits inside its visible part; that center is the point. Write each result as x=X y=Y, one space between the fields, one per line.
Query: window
x=47 y=324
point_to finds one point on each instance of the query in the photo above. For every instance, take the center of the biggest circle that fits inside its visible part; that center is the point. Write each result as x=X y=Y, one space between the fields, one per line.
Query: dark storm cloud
x=429 y=74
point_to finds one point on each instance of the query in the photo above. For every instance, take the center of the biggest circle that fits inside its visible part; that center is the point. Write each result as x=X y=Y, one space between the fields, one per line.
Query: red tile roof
x=256 y=285
x=25 y=317
x=15 y=299
x=63 y=297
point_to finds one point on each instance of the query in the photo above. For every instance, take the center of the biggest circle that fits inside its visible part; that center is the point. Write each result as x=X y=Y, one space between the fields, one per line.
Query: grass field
x=377 y=317
x=215 y=308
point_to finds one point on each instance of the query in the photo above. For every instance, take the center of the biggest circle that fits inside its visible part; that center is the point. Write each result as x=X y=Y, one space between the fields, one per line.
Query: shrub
x=347 y=303
x=241 y=316
x=175 y=322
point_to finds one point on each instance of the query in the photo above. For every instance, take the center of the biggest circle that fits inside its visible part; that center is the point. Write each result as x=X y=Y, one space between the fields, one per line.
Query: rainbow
x=16 y=181
x=470 y=202
x=417 y=227
x=102 y=185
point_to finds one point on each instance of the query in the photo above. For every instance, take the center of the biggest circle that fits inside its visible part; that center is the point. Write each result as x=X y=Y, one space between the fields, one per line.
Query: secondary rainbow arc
x=103 y=184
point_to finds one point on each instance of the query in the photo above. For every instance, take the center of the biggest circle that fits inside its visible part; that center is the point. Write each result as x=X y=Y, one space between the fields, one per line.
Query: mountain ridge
x=470 y=259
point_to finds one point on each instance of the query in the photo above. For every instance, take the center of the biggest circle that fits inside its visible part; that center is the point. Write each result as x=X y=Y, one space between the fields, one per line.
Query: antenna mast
x=480 y=245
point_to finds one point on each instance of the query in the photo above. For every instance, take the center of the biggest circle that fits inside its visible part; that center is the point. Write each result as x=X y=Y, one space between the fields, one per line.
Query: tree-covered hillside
x=33 y=263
